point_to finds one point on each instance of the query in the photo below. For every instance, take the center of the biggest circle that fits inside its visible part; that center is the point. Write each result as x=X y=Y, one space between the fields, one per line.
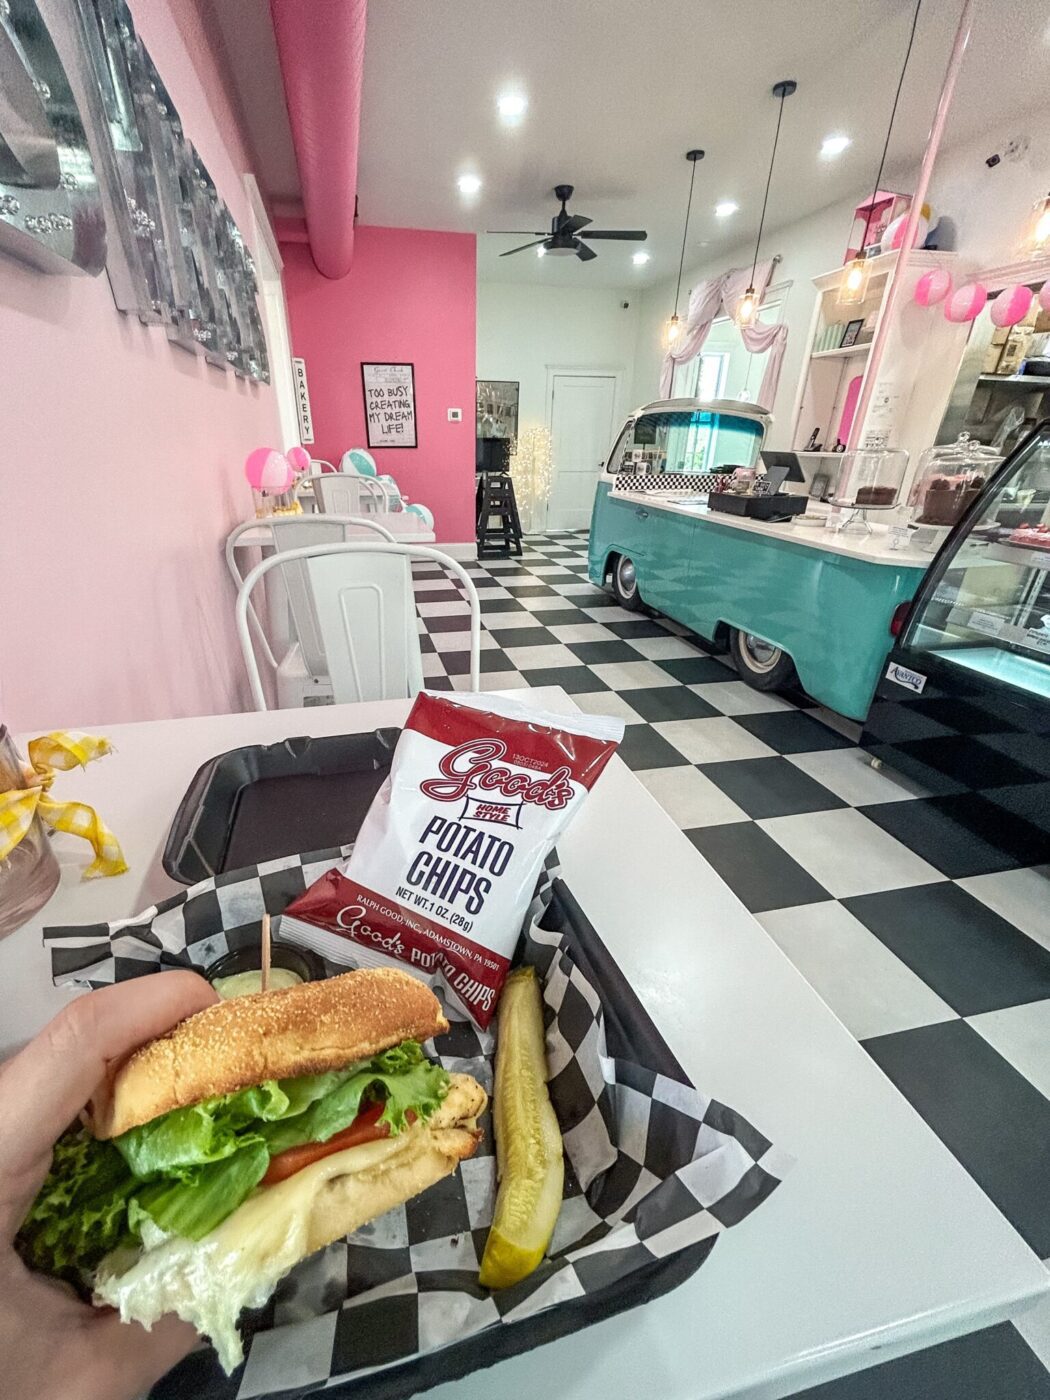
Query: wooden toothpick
x=266 y=952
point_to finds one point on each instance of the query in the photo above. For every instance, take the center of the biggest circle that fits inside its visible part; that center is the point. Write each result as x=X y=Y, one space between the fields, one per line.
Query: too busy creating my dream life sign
x=390 y=405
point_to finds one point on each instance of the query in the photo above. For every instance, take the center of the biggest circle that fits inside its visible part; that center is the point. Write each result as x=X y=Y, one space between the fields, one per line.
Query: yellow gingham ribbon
x=63 y=750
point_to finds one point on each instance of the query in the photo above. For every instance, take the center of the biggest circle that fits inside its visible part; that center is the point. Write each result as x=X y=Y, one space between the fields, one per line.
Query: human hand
x=52 y=1346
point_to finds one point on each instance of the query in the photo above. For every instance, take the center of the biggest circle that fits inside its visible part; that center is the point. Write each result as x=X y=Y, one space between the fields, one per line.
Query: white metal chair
x=339 y=493
x=364 y=606
x=300 y=674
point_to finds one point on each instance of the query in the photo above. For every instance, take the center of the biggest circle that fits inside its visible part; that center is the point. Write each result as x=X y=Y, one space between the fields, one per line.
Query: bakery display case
x=964 y=703
x=870 y=479
x=948 y=481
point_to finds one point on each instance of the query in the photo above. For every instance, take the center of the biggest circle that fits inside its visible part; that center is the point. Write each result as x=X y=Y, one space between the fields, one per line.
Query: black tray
x=780 y=506
x=630 y=1034
x=265 y=801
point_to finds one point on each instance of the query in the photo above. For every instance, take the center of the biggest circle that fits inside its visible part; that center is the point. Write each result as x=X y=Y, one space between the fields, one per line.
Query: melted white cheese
x=208 y=1282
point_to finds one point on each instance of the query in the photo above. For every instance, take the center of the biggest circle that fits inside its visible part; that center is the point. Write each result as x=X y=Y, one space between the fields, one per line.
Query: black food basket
x=396 y=1307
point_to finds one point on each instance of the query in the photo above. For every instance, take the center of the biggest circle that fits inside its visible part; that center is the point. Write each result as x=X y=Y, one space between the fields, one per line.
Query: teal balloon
x=361 y=461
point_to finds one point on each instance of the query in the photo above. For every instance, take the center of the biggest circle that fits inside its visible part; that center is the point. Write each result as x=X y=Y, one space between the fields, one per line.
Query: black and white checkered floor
x=927 y=941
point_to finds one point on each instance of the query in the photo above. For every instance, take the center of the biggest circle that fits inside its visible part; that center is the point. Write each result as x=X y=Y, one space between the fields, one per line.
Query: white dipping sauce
x=243 y=984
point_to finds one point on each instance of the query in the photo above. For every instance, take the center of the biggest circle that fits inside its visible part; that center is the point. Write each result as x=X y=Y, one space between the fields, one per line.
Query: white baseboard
x=462 y=553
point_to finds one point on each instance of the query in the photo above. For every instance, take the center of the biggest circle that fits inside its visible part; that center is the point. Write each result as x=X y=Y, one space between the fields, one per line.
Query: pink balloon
x=966 y=303
x=299 y=458
x=254 y=464
x=933 y=286
x=1011 y=305
x=277 y=475
x=1044 y=296
x=268 y=470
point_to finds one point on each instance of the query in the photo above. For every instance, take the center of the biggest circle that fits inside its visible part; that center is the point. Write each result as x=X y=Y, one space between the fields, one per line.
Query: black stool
x=495 y=500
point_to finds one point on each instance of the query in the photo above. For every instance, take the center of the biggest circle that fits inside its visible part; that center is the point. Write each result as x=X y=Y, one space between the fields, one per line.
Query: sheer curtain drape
x=721 y=296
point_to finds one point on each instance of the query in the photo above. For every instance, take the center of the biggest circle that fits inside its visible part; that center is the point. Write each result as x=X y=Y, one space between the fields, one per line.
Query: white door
x=581 y=436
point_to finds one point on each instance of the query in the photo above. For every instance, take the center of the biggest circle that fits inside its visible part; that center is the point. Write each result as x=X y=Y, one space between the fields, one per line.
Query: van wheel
x=625 y=583
x=759 y=663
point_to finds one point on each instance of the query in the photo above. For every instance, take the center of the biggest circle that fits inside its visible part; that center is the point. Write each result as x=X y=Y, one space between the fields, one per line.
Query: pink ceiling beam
x=321 y=47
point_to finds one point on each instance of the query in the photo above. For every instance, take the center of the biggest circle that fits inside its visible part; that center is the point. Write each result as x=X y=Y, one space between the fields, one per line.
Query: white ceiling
x=618 y=90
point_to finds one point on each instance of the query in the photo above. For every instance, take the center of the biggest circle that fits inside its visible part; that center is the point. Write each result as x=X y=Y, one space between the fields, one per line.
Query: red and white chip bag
x=448 y=857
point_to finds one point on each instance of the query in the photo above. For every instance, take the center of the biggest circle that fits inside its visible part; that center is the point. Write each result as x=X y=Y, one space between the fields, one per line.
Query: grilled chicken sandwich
x=251 y=1135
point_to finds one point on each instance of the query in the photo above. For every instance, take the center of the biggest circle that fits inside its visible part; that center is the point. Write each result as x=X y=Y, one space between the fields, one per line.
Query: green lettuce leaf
x=400 y=1076
x=195 y=1204
x=206 y=1132
x=79 y=1213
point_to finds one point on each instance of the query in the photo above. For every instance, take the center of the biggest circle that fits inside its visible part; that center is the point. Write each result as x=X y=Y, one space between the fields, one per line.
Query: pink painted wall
x=122 y=471
x=410 y=296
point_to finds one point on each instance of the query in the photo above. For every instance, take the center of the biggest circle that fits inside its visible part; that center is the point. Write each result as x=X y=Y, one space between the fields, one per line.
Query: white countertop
x=873 y=548
x=877 y=1242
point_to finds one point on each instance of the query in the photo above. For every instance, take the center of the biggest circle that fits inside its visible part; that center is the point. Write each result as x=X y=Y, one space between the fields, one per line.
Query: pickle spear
x=528 y=1140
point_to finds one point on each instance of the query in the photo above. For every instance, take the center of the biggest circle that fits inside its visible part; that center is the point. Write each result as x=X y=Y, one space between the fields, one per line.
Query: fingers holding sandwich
x=54 y=1345
x=232 y=1144
x=45 y=1086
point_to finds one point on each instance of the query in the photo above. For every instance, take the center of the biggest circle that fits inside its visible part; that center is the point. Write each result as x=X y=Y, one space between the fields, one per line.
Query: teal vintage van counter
x=823 y=599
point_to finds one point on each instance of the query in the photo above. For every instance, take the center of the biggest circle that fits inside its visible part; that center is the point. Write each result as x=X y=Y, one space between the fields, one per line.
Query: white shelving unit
x=915 y=378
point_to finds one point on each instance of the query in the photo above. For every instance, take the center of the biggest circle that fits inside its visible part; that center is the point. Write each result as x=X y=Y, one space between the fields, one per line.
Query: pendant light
x=673 y=328
x=747 y=310
x=1036 y=242
x=854 y=286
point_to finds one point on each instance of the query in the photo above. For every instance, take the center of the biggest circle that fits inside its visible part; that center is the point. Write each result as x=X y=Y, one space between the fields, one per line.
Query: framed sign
x=390 y=405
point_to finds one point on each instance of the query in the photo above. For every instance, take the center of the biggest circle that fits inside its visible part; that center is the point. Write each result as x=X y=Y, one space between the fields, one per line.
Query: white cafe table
x=876 y=1244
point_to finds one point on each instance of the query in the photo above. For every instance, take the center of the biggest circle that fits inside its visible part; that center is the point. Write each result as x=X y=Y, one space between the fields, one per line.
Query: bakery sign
x=302 y=401
x=390 y=404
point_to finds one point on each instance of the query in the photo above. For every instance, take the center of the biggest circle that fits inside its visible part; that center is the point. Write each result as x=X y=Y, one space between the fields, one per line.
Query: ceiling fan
x=567 y=231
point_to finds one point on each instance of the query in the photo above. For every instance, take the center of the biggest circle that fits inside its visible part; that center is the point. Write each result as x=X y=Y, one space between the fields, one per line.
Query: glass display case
x=870 y=479
x=964 y=704
x=949 y=480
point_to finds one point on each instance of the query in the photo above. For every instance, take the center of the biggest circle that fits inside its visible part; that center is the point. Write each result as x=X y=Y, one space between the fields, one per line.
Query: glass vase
x=30 y=874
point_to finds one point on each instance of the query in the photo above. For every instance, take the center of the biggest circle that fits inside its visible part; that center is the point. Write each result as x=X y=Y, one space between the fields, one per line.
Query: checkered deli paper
x=652 y=1166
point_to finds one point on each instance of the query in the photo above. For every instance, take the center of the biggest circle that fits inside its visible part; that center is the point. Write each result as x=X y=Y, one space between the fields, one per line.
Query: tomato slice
x=366 y=1127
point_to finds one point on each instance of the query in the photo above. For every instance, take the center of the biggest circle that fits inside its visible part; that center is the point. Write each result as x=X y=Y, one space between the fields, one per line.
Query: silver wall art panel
x=115 y=84
x=175 y=256
x=50 y=210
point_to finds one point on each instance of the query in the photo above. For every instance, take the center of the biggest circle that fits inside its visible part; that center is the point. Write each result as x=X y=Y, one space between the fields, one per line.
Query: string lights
x=532 y=473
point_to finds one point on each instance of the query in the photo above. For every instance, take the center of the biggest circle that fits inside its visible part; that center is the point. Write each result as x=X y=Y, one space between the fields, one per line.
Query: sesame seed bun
x=235 y=1044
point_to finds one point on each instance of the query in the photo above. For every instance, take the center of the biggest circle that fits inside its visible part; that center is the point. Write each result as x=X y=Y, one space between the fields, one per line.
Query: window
x=702 y=377
x=688 y=441
x=725 y=369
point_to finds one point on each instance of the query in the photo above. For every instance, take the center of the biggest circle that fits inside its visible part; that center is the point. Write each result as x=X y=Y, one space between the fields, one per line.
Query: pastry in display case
x=949 y=480
x=868 y=479
x=964 y=703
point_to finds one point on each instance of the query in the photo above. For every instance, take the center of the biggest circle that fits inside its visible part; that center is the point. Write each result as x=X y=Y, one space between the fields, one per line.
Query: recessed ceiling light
x=725 y=208
x=541 y=251
x=469 y=184
x=640 y=258
x=834 y=146
x=512 y=105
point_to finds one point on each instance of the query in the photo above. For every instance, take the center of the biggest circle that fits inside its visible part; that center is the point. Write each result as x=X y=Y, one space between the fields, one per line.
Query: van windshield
x=688 y=441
